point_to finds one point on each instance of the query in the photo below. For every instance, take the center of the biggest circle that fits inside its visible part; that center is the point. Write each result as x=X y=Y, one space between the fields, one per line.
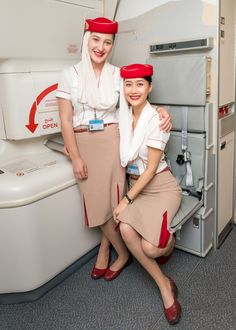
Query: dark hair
x=148 y=78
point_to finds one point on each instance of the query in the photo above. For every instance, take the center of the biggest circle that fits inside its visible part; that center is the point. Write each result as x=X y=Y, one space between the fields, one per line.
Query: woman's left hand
x=122 y=205
x=165 y=119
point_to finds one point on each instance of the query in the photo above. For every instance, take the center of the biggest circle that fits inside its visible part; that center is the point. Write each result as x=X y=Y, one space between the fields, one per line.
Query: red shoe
x=173 y=313
x=112 y=274
x=98 y=273
x=163 y=259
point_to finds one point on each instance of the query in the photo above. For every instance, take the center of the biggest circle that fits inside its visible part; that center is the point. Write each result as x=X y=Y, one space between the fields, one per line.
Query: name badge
x=96 y=125
x=132 y=169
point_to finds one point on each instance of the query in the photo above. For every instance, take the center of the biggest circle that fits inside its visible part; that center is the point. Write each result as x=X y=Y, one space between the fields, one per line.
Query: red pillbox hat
x=101 y=25
x=136 y=71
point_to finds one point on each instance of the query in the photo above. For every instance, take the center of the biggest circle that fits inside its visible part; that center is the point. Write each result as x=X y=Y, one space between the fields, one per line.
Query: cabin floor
x=207 y=293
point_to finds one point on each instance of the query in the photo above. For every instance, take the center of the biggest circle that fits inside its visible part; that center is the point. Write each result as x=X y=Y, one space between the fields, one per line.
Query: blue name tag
x=132 y=169
x=96 y=125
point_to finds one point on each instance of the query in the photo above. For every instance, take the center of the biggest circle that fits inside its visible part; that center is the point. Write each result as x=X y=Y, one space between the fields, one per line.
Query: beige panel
x=225 y=188
x=179 y=80
x=227 y=47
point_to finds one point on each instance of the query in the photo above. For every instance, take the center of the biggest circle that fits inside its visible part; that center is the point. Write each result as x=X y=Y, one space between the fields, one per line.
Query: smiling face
x=99 y=47
x=136 y=91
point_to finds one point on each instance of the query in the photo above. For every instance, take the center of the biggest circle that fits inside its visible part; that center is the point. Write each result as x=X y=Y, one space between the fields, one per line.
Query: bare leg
x=117 y=242
x=154 y=252
x=103 y=253
x=134 y=243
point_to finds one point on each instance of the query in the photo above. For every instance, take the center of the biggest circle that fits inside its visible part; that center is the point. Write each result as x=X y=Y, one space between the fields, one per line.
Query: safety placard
x=25 y=166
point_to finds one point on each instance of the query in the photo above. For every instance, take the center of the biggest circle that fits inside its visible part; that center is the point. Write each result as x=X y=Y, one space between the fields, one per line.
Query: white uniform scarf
x=102 y=97
x=130 y=142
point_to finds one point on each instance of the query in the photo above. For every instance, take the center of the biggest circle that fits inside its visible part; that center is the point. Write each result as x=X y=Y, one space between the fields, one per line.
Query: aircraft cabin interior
x=46 y=250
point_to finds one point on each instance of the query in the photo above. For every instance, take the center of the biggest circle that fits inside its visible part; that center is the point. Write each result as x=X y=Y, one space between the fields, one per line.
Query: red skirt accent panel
x=118 y=194
x=165 y=234
x=117 y=227
x=85 y=214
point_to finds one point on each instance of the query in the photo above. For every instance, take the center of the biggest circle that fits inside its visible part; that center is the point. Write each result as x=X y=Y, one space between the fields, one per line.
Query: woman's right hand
x=80 y=169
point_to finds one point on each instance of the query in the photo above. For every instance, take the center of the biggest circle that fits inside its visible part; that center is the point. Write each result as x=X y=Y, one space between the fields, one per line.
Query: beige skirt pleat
x=104 y=188
x=156 y=204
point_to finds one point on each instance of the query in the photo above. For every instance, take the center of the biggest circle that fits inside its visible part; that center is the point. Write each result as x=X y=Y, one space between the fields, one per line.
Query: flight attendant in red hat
x=88 y=102
x=154 y=196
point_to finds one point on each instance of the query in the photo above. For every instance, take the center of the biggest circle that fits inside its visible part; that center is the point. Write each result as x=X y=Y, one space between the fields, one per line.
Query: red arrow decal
x=32 y=125
x=45 y=93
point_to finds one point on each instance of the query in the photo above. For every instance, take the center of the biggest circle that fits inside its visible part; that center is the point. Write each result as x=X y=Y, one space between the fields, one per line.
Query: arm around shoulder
x=165 y=119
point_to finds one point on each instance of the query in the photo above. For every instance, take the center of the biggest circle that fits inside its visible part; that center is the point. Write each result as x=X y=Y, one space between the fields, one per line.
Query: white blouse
x=82 y=113
x=154 y=138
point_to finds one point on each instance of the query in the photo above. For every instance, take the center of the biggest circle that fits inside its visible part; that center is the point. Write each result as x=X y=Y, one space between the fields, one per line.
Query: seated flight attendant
x=154 y=195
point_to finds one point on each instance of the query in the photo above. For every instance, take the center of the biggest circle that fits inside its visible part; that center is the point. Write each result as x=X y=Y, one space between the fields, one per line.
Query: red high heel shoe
x=112 y=274
x=98 y=273
x=173 y=313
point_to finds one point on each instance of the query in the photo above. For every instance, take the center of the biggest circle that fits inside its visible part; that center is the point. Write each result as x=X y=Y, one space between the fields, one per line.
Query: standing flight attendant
x=88 y=97
x=154 y=195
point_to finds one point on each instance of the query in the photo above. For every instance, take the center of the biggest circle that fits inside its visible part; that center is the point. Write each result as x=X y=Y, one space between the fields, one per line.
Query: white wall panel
x=227 y=55
x=44 y=28
x=131 y=8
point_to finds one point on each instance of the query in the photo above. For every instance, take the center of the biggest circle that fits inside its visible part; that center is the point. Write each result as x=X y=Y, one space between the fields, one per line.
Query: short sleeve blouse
x=154 y=138
x=82 y=113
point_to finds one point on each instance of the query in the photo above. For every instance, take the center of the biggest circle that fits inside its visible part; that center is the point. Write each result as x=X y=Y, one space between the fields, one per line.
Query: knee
x=126 y=231
x=149 y=249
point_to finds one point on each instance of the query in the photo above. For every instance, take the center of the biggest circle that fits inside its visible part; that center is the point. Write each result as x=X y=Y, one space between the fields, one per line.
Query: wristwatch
x=130 y=201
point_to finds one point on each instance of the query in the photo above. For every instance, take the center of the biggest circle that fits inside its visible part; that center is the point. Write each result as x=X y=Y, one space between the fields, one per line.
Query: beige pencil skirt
x=104 y=188
x=154 y=208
